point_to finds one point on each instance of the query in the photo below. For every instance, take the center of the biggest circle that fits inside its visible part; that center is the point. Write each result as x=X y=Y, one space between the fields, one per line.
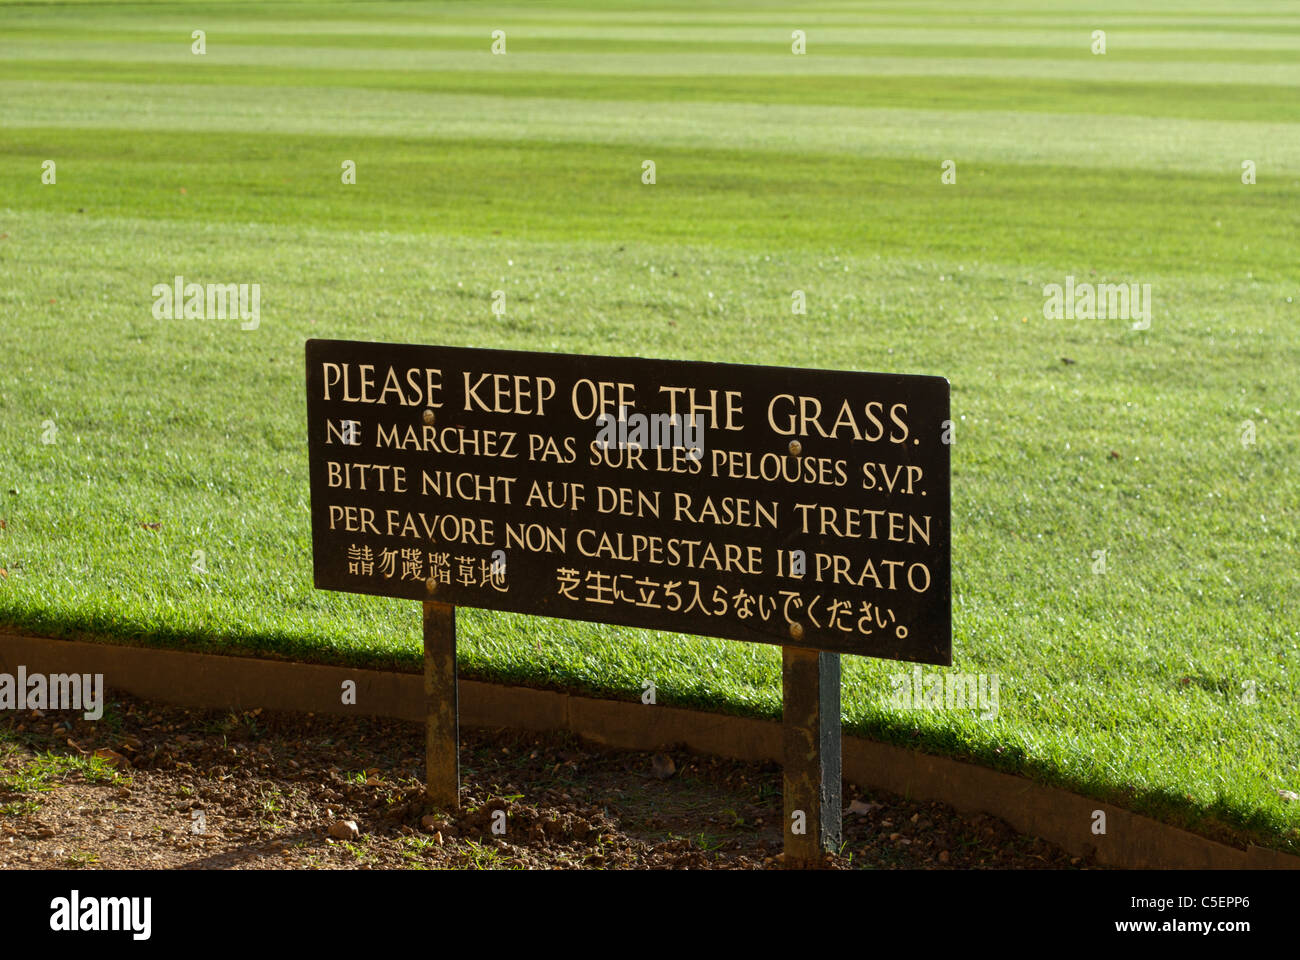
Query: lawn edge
x=1132 y=840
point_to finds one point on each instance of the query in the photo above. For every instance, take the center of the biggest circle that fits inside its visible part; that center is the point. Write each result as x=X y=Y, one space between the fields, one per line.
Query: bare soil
x=194 y=789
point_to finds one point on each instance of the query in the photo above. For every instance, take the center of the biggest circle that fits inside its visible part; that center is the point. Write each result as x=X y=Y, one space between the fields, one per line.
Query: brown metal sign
x=799 y=507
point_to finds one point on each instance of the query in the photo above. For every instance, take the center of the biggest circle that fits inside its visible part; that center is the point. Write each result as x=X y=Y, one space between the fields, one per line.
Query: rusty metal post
x=810 y=682
x=441 y=709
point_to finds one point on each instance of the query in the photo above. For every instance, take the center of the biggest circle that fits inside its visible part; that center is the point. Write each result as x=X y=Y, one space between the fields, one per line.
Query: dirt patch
x=155 y=786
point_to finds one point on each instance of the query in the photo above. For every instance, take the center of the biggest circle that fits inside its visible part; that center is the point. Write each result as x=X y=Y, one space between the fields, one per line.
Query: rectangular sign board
x=807 y=508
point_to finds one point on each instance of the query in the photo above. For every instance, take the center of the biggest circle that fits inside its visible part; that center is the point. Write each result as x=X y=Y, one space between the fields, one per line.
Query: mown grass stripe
x=779 y=63
x=1004 y=213
x=930 y=136
x=1229 y=102
x=836 y=40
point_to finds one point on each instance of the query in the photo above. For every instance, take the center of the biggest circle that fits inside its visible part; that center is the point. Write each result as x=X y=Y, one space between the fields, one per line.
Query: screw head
x=796 y=631
x=431 y=585
x=796 y=448
x=428 y=417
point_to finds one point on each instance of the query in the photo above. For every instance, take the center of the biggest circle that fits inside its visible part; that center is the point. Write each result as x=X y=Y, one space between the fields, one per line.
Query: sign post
x=441 y=707
x=808 y=509
x=810 y=691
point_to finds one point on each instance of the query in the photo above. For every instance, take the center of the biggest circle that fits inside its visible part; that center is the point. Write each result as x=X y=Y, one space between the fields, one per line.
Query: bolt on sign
x=806 y=508
x=781 y=505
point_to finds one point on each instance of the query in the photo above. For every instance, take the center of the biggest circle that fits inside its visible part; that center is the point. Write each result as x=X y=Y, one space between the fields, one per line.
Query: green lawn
x=1167 y=684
